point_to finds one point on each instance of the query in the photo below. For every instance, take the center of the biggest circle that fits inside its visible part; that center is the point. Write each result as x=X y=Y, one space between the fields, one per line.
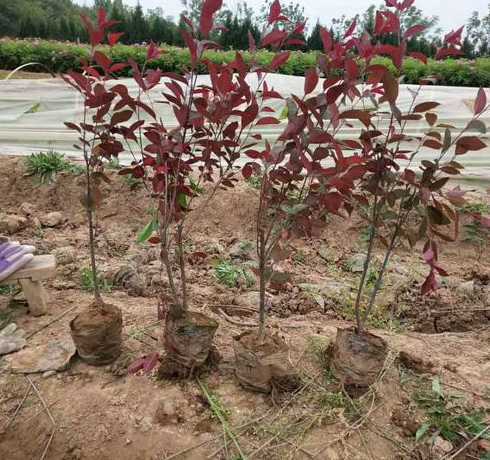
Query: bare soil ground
x=104 y=413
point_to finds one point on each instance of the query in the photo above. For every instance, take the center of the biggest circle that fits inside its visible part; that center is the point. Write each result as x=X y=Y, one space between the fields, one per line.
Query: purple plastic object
x=7 y=247
x=12 y=251
x=9 y=267
x=14 y=256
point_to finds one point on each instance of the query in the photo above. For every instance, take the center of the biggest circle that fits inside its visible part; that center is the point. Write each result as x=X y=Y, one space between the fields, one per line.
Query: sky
x=452 y=13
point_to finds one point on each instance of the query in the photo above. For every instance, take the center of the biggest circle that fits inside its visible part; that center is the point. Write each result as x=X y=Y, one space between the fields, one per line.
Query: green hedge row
x=60 y=57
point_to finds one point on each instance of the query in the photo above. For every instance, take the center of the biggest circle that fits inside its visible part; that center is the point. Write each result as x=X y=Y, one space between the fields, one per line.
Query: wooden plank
x=39 y=268
x=36 y=296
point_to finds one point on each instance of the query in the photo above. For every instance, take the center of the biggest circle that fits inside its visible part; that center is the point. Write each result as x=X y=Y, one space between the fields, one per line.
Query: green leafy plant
x=46 y=165
x=8 y=289
x=131 y=182
x=61 y=56
x=476 y=233
x=88 y=284
x=447 y=415
x=232 y=275
x=475 y=208
x=255 y=181
x=114 y=164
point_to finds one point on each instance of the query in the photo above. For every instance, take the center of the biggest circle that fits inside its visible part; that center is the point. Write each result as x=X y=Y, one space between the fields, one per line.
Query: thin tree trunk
x=262 y=282
x=372 y=238
x=377 y=286
x=90 y=214
x=183 y=277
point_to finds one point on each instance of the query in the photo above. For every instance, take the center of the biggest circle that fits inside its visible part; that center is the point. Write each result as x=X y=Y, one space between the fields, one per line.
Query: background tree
x=314 y=41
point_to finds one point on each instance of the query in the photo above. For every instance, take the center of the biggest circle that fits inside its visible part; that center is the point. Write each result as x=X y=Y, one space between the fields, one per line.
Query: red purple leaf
x=274 y=12
x=274 y=38
x=326 y=39
x=414 y=30
x=419 y=56
x=351 y=28
x=114 y=37
x=268 y=121
x=153 y=52
x=209 y=8
x=311 y=80
x=280 y=59
x=480 y=101
x=469 y=143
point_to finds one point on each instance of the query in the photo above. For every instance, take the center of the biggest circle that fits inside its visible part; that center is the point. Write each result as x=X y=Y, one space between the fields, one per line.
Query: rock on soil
x=11 y=339
x=52 y=219
x=65 y=255
x=27 y=209
x=10 y=223
x=53 y=356
x=356 y=263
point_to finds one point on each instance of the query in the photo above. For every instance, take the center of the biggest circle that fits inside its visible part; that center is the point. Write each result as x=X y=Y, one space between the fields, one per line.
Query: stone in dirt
x=248 y=299
x=11 y=339
x=441 y=447
x=65 y=255
x=27 y=209
x=54 y=356
x=356 y=263
x=10 y=223
x=52 y=219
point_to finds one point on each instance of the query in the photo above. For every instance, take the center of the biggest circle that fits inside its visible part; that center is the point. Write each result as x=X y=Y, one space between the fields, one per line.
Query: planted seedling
x=403 y=203
x=214 y=122
x=96 y=330
x=304 y=177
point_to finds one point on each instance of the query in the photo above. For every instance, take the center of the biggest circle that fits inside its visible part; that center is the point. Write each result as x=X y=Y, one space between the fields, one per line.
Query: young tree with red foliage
x=96 y=331
x=396 y=196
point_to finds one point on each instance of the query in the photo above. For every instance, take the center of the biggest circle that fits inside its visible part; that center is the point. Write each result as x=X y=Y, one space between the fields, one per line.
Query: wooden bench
x=30 y=277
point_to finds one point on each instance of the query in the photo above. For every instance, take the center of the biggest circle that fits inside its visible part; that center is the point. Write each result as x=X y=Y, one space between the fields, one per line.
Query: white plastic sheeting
x=32 y=113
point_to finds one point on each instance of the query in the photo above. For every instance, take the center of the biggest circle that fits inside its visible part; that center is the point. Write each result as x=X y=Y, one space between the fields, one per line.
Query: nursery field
x=204 y=258
x=431 y=400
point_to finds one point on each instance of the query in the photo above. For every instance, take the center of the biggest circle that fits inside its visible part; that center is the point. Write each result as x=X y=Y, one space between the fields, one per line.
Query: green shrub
x=45 y=165
x=60 y=57
x=232 y=275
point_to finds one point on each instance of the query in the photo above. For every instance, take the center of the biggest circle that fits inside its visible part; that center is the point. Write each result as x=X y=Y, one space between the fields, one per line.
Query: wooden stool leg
x=36 y=296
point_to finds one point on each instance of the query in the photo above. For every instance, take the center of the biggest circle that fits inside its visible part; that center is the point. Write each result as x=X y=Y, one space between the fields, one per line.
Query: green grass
x=232 y=275
x=8 y=289
x=87 y=281
x=222 y=414
x=255 y=181
x=44 y=166
x=475 y=208
x=447 y=415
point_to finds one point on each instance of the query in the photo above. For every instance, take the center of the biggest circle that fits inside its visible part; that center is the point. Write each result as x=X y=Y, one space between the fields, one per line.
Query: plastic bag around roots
x=263 y=366
x=188 y=342
x=96 y=332
x=357 y=359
